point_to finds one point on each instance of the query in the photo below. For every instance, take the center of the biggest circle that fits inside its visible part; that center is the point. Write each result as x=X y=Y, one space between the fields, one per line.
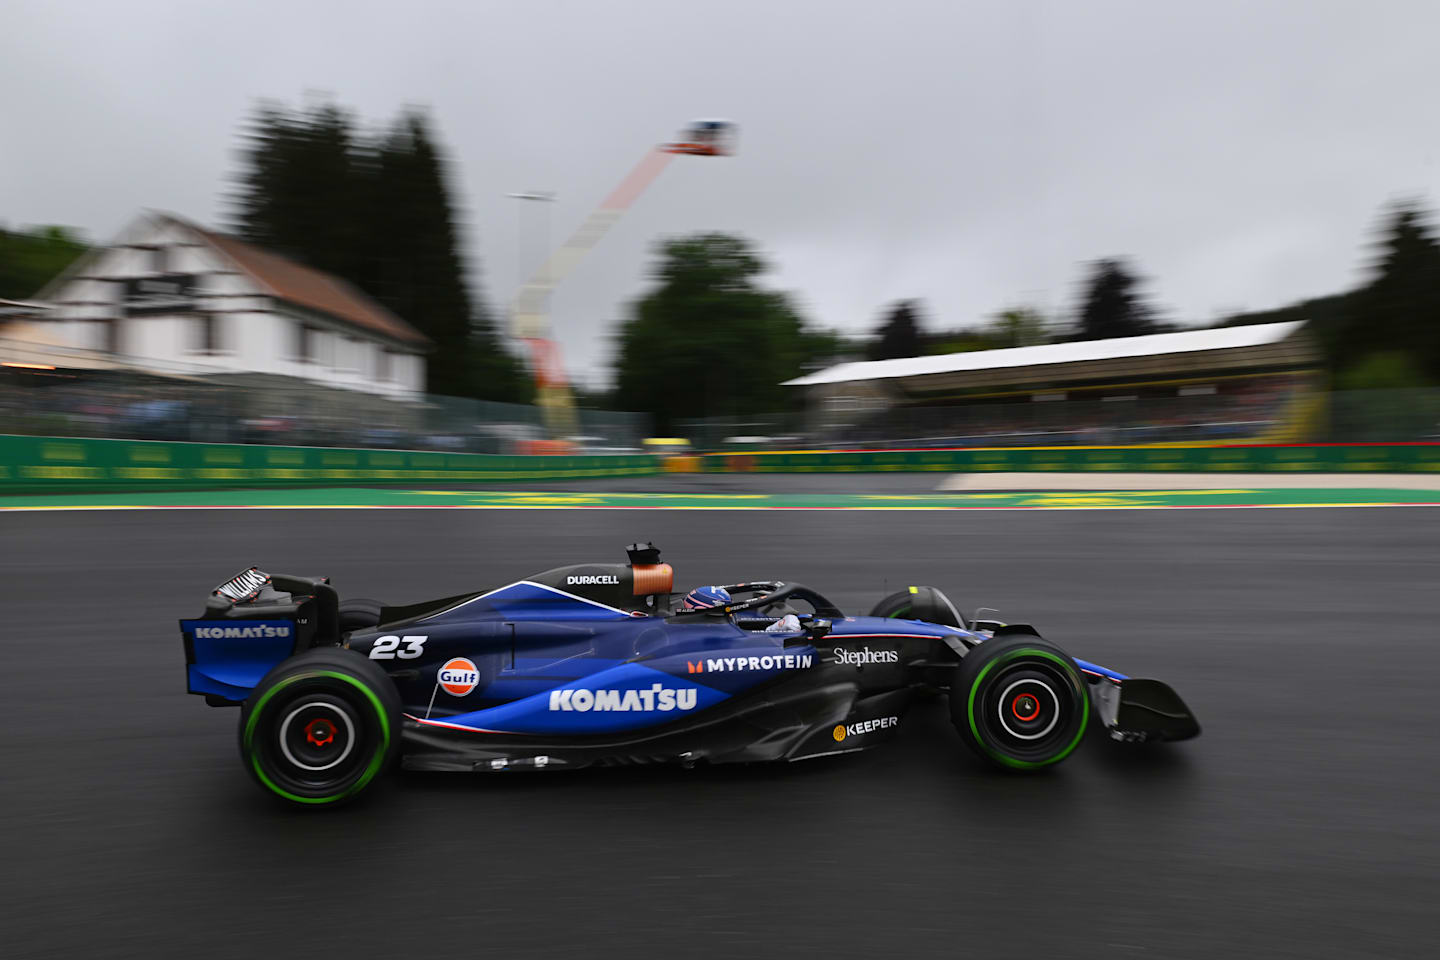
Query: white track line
x=1039 y=481
x=864 y=509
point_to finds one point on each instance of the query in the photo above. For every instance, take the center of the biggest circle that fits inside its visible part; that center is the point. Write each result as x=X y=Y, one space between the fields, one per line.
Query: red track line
x=459 y=506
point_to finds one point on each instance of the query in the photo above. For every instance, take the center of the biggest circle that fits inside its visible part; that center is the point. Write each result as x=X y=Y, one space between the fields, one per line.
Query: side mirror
x=817 y=629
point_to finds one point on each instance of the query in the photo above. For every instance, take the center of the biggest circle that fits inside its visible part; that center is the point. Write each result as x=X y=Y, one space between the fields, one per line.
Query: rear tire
x=1020 y=702
x=359 y=614
x=320 y=726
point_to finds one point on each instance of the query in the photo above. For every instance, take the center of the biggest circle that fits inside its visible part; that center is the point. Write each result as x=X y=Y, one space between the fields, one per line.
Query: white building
x=169 y=294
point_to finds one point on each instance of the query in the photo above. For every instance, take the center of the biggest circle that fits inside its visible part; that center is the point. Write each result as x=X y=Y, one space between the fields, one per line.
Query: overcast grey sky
x=969 y=154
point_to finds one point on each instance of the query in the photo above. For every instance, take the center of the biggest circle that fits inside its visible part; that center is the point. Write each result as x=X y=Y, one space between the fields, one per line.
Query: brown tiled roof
x=306 y=287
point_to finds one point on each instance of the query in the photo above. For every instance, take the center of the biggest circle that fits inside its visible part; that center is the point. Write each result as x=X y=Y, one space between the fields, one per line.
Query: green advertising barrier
x=1312 y=458
x=58 y=464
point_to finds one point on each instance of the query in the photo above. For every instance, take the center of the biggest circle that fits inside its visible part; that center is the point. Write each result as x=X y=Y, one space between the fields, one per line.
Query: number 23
x=385 y=648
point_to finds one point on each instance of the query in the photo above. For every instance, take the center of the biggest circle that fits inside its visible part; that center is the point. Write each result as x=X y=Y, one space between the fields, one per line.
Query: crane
x=531 y=323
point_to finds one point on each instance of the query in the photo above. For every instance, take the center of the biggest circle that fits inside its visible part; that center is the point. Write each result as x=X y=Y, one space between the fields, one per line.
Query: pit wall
x=61 y=464
x=1306 y=458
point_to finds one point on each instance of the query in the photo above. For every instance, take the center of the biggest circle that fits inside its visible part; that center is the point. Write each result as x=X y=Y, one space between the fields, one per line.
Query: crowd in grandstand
x=99 y=405
x=108 y=404
x=1233 y=410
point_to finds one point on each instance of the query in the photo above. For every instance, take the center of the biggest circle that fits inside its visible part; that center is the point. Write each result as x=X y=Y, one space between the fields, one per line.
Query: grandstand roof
x=1153 y=345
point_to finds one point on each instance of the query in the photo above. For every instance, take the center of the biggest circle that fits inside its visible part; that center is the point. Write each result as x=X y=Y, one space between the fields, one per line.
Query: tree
x=1019 y=327
x=898 y=334
x=492 y=371
x=1399 y=310
x=1015 y=327
x=414 y=265
x=1386 y=332
x=823 y=348
x=1112 y=308
x=708 y=340
x=962 y=340
x=376 y=211
x=29 y=259
x=305 y=187
x=1384 y=370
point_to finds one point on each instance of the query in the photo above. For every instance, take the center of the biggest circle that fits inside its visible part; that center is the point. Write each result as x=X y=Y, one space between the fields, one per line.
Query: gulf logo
x=458 y=676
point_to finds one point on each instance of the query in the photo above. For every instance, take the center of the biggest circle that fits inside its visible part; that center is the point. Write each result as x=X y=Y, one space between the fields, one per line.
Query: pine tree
x=416 y=267
x=1399 y=311
x=376 y=212
x=898 y=334
x=303 y=192
x=1112 y=308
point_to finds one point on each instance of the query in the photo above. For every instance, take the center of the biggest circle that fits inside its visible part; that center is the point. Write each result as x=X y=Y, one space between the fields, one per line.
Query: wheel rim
x=317 y=738
x=1028 y=709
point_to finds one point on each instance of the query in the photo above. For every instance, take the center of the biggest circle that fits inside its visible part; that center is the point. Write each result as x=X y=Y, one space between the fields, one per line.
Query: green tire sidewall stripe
x=366 y=777
x=1011 y=761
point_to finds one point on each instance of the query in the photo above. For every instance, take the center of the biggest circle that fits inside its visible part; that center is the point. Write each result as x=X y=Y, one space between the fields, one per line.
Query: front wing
x=1137 y=710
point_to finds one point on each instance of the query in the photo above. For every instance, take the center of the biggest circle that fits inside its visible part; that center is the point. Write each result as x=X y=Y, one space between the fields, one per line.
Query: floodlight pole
x=542 y=196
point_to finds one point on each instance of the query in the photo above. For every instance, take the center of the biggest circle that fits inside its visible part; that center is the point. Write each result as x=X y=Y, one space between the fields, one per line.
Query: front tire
x=1019 y=702
x=320 y=727
x=920 y=603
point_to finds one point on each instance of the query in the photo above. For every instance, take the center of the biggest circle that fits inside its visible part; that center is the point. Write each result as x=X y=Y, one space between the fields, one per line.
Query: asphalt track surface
x=998 y=491
x=1301 y=824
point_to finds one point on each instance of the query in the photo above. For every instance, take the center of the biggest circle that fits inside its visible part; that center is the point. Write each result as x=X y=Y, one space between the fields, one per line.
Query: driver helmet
x=703 y=597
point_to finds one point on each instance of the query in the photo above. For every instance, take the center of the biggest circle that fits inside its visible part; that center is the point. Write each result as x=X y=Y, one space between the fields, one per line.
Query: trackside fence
x=66 y=464
x=1288 y=458
x=69 y=464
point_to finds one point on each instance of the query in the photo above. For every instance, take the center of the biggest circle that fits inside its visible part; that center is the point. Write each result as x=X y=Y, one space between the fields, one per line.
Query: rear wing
x=252 y=622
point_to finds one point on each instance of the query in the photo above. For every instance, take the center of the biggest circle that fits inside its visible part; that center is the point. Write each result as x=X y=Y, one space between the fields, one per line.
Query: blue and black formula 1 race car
x=601 y=664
